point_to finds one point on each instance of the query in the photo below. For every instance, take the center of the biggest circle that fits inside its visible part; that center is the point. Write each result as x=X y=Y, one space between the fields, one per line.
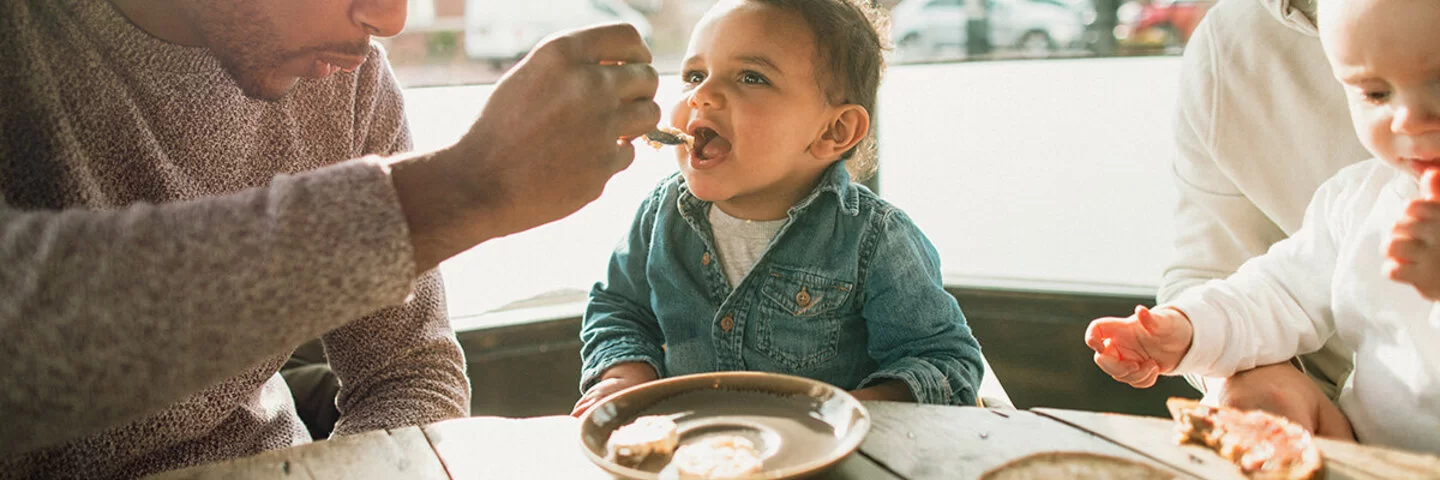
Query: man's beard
x=244 y=40
x=254 y=67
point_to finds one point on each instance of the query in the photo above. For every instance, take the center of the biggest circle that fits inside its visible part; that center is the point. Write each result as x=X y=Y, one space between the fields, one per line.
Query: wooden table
x=906 y=442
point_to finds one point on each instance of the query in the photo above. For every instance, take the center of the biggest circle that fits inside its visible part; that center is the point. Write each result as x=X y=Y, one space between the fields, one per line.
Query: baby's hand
x=616 y=378
x=1413 y=255
x=1136 y=350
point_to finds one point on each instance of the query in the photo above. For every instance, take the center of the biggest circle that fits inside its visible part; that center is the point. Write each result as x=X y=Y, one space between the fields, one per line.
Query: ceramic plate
x=799 y=426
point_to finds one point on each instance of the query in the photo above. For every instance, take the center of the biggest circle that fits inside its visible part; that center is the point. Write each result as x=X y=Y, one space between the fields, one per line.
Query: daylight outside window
x=1004 y=126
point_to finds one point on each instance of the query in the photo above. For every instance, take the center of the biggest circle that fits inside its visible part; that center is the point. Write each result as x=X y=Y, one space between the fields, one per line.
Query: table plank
x=1345 y=460
x=938 y=442
x=495 y=447
x=378 y=455
x=1155 y=437
x=1150 y=436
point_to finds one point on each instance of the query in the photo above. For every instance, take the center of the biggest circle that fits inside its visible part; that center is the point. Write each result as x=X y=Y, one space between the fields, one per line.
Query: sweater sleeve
x=402 y=365
x=1217 y=228
x=111 y=314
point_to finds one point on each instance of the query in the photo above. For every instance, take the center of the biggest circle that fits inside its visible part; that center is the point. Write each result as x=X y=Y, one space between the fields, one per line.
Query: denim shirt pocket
x=800 y=317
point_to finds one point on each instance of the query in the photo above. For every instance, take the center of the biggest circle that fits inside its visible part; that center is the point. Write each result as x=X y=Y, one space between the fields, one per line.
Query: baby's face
x=754 y=106
x=1387 y=55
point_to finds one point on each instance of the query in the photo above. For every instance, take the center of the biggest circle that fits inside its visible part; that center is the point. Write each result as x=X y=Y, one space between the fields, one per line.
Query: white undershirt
x=740 y=242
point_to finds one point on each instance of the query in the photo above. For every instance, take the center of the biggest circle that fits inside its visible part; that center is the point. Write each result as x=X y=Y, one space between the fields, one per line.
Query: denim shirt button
x=727 y=323
x=803 y=298
x=705 y=260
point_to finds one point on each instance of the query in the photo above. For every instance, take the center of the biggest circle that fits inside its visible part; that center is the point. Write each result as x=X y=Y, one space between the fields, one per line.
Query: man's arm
x=108 y=315
x=99 y=305
x=1217 y=228
x=400 y=366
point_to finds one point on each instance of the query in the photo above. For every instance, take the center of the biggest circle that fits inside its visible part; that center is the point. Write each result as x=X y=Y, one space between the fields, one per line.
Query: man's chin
x=265 y=87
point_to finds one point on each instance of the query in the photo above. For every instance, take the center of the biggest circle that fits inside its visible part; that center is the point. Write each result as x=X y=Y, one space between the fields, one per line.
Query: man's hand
x=1137 y=349
x=1283 y=390
x=1413 y=255
x=616 y=378
x=553 y=132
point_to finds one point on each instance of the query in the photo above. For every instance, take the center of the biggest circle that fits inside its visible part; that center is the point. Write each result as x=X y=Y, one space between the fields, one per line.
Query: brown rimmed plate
x=799 y=426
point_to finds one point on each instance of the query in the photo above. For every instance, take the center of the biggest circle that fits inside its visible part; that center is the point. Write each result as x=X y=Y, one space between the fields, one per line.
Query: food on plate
x=649 y=435
x=667 y=135
x=719 y=456
x=1264 y=445
x=1074 y=466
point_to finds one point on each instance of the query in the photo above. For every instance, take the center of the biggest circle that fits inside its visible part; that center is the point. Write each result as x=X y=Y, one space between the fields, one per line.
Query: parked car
x=927 y=29
x=503 y=31
x=1158 y=24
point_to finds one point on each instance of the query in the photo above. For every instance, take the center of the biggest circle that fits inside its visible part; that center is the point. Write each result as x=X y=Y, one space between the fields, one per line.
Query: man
x=1262 y=124
x=187 y=196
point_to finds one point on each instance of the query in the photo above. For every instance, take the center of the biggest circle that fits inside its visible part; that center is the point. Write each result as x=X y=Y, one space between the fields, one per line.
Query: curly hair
x=851 y=37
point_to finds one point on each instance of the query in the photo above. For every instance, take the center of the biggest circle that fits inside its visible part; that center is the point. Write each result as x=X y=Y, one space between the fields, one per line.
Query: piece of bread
x=720 y=456
x=1264 y=445
x=650 y=435
x=1074 y=466
x=667 y=135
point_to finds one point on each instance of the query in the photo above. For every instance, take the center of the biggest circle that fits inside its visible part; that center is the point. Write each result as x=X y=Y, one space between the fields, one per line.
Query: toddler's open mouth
x=709 y=144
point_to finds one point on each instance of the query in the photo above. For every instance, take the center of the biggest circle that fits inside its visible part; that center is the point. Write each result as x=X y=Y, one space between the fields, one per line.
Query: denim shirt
x=848 y=293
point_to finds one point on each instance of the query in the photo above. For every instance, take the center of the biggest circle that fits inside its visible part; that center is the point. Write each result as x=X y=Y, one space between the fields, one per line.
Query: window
x=1020 y=171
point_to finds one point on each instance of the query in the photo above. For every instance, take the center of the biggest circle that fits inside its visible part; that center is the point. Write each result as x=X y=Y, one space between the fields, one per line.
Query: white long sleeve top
x=1327 y=280
x=1261 y=124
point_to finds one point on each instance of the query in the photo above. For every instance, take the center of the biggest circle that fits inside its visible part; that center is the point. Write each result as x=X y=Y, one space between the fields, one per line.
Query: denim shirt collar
x=835 y=179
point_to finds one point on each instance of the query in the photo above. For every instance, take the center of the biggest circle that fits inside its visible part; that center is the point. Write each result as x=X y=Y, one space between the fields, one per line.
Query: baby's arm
x=619 y=325
x=1275 y=306
x=917 y=333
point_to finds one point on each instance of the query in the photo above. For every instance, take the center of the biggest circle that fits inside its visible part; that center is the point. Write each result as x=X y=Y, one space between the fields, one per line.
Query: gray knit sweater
x=166 y=242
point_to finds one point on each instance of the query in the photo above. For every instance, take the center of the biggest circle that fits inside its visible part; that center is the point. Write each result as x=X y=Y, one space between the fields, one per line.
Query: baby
x=1365 y=265
x=761 y=254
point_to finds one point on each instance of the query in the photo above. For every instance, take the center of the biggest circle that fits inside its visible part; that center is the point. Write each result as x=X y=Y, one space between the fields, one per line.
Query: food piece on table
x=1074 y=466
x=667 y=135
x=649 y=435
x=1264 y=445
x=720 y=456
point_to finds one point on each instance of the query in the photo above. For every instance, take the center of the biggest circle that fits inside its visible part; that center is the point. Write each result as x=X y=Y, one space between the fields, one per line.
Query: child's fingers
x=1148 y=321
x=1400 y=272
x=1425 y=209
x=1404 y=249
x=1430 y=184
x=1143 y=376
x=1116 y=367
x=582 y=405
x=1136 y=374
x=1098 y=331
x=1151 y=374
x=1411 y=273
x=1160 y=327
x=1425 y=229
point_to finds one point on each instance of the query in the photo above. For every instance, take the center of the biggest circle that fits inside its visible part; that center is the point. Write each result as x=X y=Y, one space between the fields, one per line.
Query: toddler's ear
x=848 y=126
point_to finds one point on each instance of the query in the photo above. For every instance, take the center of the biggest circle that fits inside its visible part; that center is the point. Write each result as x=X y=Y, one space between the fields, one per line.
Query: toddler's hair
x=851 y=37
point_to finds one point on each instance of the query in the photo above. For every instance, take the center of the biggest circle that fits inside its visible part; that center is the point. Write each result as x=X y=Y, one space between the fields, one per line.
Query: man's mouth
x=339 y=61
x=709 y=144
